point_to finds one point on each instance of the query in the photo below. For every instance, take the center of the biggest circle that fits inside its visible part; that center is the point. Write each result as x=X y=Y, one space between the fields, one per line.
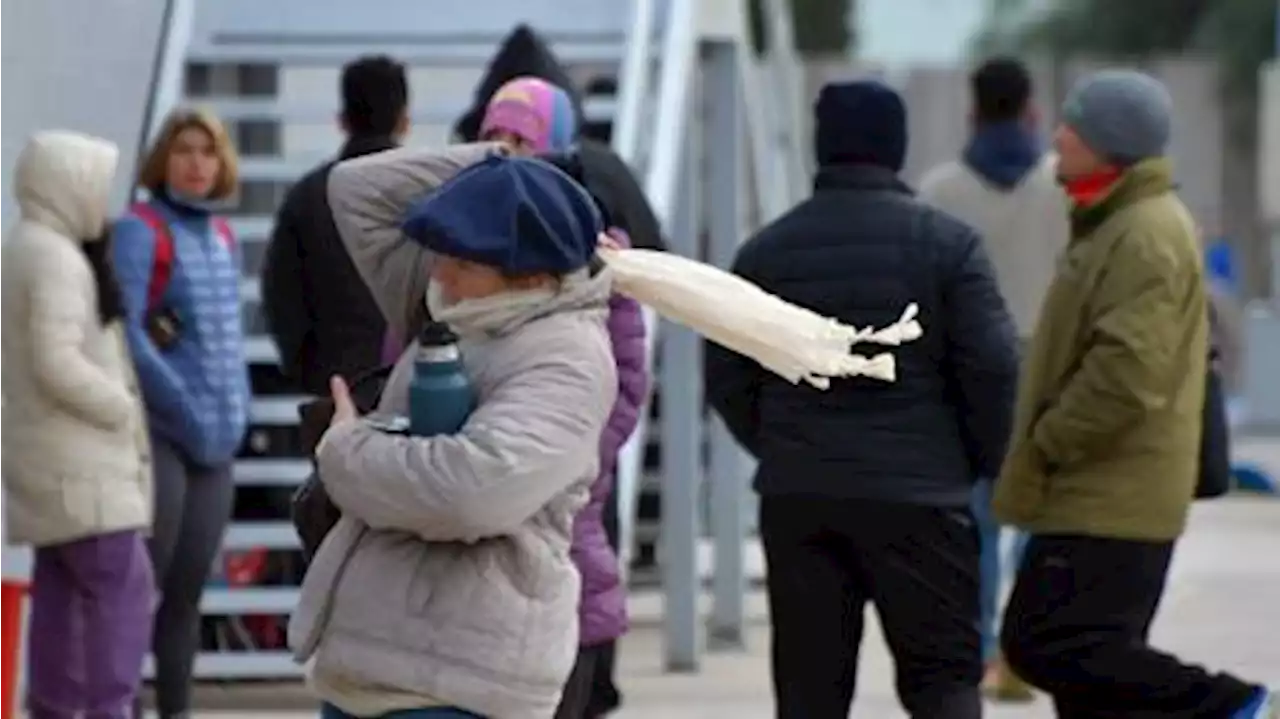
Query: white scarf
x=500 y=313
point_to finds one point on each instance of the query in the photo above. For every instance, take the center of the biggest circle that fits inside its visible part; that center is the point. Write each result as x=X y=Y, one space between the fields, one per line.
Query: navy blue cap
x=518 y=215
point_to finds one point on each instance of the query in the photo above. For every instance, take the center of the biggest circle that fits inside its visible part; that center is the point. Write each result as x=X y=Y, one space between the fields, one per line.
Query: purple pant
x=91 y=603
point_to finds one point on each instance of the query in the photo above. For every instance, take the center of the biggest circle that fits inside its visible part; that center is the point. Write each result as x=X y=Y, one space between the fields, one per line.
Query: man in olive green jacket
x=1103 y=461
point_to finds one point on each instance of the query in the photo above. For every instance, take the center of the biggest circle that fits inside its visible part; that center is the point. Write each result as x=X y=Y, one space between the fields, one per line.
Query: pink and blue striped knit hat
x=534 y=110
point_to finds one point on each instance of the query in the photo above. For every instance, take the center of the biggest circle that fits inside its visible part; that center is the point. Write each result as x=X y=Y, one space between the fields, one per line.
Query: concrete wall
x=78 y=65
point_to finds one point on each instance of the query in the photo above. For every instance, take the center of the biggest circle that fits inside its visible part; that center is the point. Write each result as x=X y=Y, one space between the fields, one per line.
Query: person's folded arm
x=133 y=252
x=982 y=352
x=531 y=439
x=1135 y=325
x=369 y=197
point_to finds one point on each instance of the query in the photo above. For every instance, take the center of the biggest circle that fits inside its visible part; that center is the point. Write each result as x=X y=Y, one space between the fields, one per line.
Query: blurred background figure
x=319 y=311
x=77 y=470
x=1004 y=187
x=179 y=274
x=1226 y=317
x=530 y=115
x=524 y=54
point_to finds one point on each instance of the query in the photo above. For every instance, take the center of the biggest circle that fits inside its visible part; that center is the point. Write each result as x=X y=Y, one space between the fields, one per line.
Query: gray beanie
x=1123 y=115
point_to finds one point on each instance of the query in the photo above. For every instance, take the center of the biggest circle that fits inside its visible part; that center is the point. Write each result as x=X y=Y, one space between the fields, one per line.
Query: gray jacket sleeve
x=532 y=438
x=369 y=196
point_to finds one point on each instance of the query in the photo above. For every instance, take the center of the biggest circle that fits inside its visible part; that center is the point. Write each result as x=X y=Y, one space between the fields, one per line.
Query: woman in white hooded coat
x=77 y=471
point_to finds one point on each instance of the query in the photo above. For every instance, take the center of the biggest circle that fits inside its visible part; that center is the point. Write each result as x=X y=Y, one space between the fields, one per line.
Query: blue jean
x=992 y=570
x=329 y=711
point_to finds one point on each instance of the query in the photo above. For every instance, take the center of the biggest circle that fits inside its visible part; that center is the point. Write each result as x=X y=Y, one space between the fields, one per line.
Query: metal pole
x=633 y=87
x=170 y=65
x=724 y=129
x=682 y=432
x=1269 y=107
x=1276 y=49
x=788 y=80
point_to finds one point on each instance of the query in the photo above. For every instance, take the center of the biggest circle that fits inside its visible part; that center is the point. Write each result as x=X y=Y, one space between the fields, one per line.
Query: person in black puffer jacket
x=319 y=311
x=865 y=487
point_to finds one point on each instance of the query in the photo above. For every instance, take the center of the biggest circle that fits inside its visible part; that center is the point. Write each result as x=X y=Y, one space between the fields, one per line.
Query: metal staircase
x=688 y=114
x=271 y=72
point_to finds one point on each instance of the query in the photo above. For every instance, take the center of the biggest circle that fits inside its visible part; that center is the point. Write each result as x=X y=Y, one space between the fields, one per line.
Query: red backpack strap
x=162 y=264
x=223 y=228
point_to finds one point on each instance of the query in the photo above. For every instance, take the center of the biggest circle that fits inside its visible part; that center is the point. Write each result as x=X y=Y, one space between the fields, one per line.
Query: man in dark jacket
x=319 y=311
x=865 y=487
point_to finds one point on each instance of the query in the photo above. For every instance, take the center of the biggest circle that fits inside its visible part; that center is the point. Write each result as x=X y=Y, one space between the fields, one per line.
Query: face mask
x=435 y=302
x=485 y=314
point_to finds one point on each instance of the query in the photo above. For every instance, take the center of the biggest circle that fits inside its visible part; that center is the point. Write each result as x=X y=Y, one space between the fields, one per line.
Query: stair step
x=595 y=109
x=603 y=52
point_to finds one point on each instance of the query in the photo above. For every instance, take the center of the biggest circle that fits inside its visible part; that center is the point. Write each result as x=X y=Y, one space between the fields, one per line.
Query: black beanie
x=862 y=122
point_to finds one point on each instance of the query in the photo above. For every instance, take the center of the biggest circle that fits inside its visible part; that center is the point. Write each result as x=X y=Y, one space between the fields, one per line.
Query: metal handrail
x=770 y=176
x=633 y=87
x=170 y=64
x=788 y=79
x=776 y=128
x=633 y=82
x=661 y=185
x=679 y=46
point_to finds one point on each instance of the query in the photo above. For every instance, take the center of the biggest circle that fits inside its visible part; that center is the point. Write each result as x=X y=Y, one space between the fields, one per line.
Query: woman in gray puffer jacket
x=447 y=589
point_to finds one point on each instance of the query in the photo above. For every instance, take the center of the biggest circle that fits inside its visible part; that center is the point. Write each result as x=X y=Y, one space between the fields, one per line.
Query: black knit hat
x=862 y=122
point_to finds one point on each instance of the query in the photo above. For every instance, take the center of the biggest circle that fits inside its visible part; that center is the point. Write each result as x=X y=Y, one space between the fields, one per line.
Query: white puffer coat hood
x=63 y=181
x=76 y=460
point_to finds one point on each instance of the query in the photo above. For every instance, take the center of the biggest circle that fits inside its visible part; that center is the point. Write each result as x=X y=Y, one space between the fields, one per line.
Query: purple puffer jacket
x=602 y=613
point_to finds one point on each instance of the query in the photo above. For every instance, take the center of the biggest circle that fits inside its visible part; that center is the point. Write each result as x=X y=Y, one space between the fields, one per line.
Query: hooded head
x=63 y=181
x=522 y=54
x=532 y=114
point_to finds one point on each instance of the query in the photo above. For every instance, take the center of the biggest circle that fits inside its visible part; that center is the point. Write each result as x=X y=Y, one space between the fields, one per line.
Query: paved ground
x=1222 y=608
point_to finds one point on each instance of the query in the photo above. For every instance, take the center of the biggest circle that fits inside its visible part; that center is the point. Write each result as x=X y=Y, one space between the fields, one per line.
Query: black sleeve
x=285 y=300
x=982 y=354
x=732 y=381
x=611 y=180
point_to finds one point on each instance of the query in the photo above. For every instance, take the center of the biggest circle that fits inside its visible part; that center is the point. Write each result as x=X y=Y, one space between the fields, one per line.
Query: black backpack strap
x=372 y=376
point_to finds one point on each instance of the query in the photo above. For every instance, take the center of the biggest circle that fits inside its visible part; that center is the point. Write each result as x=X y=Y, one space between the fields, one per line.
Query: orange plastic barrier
x=13 y=595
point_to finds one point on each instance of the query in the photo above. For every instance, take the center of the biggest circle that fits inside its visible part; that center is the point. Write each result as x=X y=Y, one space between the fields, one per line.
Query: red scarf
x=1085 y=191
